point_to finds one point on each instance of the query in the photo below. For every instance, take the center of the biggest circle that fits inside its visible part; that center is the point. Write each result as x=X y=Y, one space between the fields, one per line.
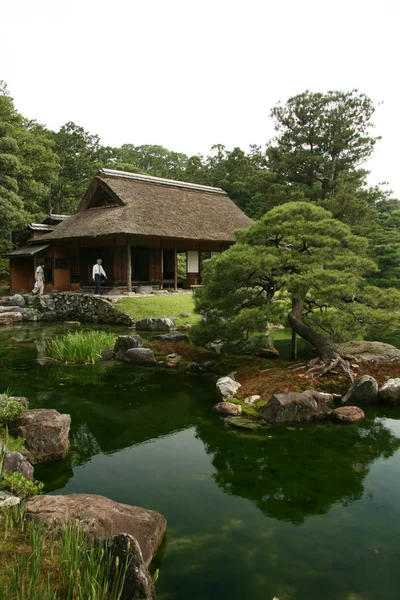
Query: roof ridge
x=160 y=180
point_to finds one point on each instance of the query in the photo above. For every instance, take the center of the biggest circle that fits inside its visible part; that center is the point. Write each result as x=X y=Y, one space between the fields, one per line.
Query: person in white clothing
x=39 y=280
x=97 y=272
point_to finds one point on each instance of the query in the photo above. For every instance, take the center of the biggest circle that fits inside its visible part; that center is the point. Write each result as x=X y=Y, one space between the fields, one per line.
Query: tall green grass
x=38 y=564
x=80 y=346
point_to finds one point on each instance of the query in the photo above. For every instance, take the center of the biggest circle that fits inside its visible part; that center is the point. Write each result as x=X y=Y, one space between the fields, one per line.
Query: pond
x=296 y=513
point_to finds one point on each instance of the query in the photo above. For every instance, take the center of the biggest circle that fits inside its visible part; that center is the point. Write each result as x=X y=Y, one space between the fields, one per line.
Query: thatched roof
x=119 y=202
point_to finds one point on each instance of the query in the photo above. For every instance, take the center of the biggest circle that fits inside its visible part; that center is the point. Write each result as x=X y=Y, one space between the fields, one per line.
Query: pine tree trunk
x=325 y=347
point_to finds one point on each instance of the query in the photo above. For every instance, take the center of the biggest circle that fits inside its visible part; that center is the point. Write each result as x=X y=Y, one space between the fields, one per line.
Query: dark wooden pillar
x=175 y=268
x=128 y=265
x=162 y=265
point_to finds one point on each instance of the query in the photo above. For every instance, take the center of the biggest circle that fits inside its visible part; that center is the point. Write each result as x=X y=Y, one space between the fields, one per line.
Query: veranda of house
x=138 y=225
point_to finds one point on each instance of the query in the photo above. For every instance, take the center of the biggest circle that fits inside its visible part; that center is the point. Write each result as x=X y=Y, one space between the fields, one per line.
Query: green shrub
x=19 y=486
x=80 y=347
x=9 y=409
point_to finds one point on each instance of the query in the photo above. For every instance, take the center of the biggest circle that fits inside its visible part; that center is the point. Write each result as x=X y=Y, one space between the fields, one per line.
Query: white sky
x=188 y=74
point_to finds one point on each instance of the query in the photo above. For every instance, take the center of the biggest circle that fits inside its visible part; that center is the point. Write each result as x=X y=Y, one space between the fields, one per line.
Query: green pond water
x=296 y=513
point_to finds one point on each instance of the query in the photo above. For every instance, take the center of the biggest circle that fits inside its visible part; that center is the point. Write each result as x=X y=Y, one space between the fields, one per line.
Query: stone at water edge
x=140 y=356
x=45 y=432
x=347 y=414
x=227 y=387
x=21 y=399
x=124 y=343
x=242 y=423
x=8 y=318
x=107 y=354
x=155 y=324
x=138 y=584
x=101 y=518
x=172 y=360
x=364 y=389
x=293 y=407
x=171 y=337
x=14 y=462
x=252 y=399
x=228 y=408
x=389 y=393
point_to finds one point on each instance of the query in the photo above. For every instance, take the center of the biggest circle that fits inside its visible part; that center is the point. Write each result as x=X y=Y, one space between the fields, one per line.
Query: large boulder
x=389 y=393
x=140 y=356
x=227 y=387
x=15 y=300
x=138 y=584
x=364 y=390
x=45 y=432
x=171 y=337
x=347 y=414
x=14 y=462
x=101 y=518
x=126 y=342
x=297 y=407
x=228 y=408
x=365 y=351
x=156 y=324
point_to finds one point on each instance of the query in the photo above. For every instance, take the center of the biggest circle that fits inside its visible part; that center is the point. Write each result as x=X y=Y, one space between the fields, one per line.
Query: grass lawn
x=160 y=306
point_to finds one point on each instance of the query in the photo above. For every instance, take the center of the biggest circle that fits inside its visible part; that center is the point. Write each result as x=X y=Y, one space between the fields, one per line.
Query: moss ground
x=160 y=306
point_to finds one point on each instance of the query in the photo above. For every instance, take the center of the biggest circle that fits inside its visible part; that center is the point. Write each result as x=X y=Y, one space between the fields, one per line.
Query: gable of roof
x=152 y=206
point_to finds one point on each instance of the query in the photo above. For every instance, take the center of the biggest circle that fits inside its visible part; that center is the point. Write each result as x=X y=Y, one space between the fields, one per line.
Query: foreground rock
x=389 y=393
x=347 y=414
x=101 y=518
x=138 y=584
x=364 y=390
x=8 y=318
x=156 y=324
x=45 y=432
x=242 y=423
x=140 y=356
x=126 y=342
x=365 y=351
x=173 y=338
x=297 y=407
x=228 y=408
x=14 y=462
x=227 y=387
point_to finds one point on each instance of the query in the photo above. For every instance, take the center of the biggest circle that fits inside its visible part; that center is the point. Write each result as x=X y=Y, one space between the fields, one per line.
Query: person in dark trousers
x=98 y=271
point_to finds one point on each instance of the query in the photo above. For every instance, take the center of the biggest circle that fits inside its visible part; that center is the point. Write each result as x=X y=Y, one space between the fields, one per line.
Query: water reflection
x=295 y=472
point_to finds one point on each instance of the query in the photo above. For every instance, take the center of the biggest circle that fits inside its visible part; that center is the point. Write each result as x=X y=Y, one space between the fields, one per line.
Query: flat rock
x=140 y=356
x=227 y=387
x=45 y=432
x=228 y=408
x=15 y=462
x=364 y=390
x=242 y=422
x=156 y=324
x=347 y=414
x=171 y=337
x=297 y=407
x=389 y=393
x=365 y=351
x=7 y=318
x=7 y=499
x=126 y=342
x=101 y=518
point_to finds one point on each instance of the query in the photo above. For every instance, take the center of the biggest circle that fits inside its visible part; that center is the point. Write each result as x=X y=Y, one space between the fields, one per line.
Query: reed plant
x=40 y=564
x=79 y=346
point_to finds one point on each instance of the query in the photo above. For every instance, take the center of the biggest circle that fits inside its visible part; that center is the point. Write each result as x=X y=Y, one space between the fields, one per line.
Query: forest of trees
x=321 y=143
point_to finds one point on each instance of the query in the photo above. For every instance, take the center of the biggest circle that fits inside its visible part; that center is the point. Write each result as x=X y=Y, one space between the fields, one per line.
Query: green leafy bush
x=80 y=346
x=19 y=486
x=9 y=409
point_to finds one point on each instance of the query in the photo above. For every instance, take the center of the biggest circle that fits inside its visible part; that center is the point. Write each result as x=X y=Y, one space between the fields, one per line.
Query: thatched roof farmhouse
x=137 y=224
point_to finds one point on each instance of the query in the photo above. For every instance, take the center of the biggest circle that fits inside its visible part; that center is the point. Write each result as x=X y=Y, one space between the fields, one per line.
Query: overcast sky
x=190 y=74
